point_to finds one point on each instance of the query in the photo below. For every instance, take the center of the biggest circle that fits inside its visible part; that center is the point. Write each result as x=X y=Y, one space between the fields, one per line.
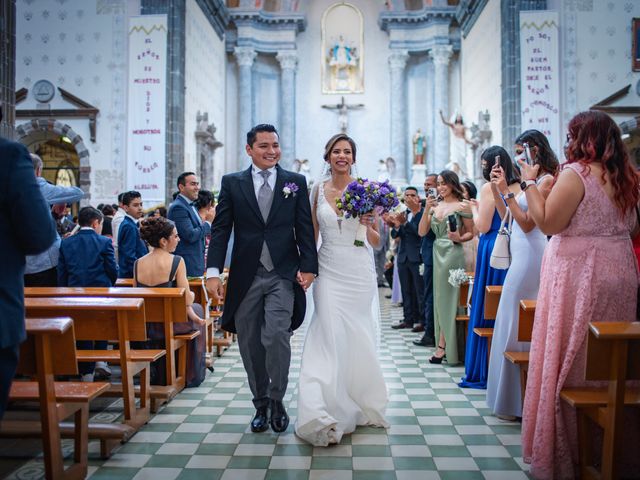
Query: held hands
x=305 y=279
x=215 y=288
x=529 y=172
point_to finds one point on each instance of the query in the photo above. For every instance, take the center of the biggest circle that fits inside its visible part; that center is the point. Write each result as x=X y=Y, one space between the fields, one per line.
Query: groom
x=274 y=260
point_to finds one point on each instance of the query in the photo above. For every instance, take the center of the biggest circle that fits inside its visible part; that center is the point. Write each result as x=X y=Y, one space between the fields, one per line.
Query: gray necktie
x=265 y=198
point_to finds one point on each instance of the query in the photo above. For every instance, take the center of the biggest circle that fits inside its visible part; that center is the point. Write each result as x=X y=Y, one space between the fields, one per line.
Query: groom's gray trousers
x=263 y=323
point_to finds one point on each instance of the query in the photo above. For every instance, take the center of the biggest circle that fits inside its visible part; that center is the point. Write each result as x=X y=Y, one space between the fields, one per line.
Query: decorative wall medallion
x=45 y=14
x=45 y=38
x=62 y=36
x=43 y=91
x=62 y=60
x=27 y=37
x=28 y=16
x=62 y=15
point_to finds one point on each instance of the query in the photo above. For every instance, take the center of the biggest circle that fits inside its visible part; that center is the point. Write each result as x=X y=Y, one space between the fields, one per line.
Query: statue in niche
x=303 y=168
x=419 y=147
x=343 y=62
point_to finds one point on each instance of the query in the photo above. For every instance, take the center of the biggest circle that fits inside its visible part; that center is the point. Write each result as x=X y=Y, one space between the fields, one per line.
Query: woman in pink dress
x=589 y=273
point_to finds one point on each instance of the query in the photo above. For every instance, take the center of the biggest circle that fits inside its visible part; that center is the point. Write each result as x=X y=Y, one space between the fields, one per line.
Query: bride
x=341 y=383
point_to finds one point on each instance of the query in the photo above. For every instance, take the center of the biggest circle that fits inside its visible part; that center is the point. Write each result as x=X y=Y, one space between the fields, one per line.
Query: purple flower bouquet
x=363 y=196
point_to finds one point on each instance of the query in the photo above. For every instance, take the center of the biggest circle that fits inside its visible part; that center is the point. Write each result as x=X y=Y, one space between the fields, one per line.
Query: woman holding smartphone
x=527 y=246
x=487 y=220
x=451 y=226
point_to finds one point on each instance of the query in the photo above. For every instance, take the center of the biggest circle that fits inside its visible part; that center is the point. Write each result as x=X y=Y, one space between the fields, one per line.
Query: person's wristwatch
x=526 y=184
x=508 y=196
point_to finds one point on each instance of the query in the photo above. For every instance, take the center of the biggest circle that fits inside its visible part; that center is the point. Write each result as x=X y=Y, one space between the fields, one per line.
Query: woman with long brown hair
x=589 y=273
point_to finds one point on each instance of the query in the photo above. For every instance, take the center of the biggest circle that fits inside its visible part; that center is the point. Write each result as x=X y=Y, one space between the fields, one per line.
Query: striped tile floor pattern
x=438 y=430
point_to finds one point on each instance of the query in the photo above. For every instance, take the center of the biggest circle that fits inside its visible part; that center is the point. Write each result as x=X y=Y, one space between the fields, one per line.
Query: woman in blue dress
x=487 y=220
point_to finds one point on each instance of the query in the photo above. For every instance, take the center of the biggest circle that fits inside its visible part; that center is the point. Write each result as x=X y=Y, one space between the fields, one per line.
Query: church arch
x=71 y=161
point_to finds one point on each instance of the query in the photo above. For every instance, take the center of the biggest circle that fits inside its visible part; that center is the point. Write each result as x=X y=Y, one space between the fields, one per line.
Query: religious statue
x=343 y=60
x=383 y=170
x=419 y=147
x=303 y=168
x=459 y=144
x=342 y=109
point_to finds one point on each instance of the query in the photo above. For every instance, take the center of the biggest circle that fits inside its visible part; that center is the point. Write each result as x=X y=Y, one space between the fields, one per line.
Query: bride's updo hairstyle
x=332 y=143
x=451 y=179
x=152 y=229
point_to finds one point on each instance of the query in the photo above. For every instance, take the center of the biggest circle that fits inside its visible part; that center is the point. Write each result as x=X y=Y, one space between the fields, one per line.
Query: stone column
x=441 y=56
x=288 y=63
x=397 y=62
x=245 y=57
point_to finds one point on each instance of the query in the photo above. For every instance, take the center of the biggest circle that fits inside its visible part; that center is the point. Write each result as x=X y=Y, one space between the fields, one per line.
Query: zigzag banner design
x=148 y=31
x=545 y=24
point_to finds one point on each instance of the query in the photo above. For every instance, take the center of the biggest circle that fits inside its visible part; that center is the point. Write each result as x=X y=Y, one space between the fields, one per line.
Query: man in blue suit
x=26 y=228
x=87 y=259
x=411 y=282
x=192 y=228
x=130 y=245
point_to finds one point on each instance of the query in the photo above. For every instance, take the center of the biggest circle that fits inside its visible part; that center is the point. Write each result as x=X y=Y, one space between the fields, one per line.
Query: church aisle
x=437 y=429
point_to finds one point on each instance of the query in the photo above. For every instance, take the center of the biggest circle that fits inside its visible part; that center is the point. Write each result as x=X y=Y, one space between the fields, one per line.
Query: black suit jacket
x=288 y=232
x=410 y=241
x=26 y=228
x=192 y=231
x=87 y=260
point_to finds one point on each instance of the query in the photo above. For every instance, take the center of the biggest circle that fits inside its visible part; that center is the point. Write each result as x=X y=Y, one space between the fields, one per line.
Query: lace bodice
x=333 y=230
x=596 y=215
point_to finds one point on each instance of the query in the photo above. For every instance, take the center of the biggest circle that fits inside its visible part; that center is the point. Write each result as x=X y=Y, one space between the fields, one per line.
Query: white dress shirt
x=258 y=180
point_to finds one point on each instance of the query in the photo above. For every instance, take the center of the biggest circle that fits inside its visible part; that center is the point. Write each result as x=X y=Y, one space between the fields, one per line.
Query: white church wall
x=601 y=55
x=266 y=78
x=205 y=85
x=368 y=126
x=480 y=71
x=80 y=46
x=231 y=133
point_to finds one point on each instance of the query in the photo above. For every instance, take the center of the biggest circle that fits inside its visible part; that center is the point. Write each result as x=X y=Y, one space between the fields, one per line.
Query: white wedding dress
x=341 y=383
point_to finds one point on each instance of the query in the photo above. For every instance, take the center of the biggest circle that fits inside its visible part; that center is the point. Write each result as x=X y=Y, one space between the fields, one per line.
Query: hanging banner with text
x=540 y=74
x=146 y=107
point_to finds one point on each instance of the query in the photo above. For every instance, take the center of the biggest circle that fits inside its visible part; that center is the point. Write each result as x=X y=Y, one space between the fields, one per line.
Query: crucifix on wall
x=342 y=109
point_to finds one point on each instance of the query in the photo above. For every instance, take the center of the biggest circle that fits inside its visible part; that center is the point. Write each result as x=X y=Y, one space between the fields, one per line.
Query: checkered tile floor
x=438 y=430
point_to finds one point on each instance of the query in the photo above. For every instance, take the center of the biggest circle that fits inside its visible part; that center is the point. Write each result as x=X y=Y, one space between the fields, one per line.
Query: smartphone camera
x=432 y=192
x=453 y=225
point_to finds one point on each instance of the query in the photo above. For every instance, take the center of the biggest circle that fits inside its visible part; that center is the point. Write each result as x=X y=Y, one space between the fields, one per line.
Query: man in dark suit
x=411 y=283
x=274 y=260
x=426 y=251
x=26 y=228
x=87 y=259
x=130 y=245
x=192 y=229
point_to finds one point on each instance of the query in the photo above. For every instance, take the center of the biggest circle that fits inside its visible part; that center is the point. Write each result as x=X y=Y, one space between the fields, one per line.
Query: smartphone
x=453 y=225
x=497 y=161
x=432 y=192
x=527 y=153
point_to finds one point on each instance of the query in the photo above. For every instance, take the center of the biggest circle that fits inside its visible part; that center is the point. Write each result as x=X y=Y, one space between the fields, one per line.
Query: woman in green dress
x=450 y=220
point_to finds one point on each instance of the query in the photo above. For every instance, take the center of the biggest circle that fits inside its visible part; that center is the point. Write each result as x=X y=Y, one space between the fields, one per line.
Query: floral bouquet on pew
x=363 y=196
x=458 y=277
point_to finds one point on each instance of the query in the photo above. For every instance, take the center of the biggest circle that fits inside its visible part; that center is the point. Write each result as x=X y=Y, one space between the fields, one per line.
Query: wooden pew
x=613 y=355
x=102 y=318
x=58 y=400
x=162 y=305
x=527 y=313
x=491 y=302
x=464 y=301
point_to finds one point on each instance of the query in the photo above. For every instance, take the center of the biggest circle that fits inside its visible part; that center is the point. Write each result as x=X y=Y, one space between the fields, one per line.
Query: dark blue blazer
x=288 y=232
x=192 y=231
x=427 y=247
x=410 y=241
x=130 y=247
x=87 y=260
x=26 y=228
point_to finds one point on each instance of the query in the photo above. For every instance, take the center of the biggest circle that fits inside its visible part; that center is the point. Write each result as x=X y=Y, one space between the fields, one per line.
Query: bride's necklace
x=339 y=216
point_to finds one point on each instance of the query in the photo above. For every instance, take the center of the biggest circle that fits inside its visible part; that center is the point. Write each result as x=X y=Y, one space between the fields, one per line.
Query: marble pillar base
x=418 y=174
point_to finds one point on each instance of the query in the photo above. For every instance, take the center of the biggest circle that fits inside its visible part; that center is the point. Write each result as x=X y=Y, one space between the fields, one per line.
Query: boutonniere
x=290 y=189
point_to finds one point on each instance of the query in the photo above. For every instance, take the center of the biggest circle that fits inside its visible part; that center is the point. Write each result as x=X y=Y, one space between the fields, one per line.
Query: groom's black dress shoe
x=279 y=417
x=425 y=342
x=260 y=421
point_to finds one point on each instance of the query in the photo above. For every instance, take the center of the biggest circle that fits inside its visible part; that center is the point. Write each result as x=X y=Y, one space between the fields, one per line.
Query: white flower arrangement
x=458 y=276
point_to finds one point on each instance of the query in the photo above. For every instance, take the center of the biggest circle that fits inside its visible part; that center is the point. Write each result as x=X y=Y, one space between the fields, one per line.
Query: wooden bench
x=58 y=400
x=162 y=305
x=613 y=354
x=527 y=313
x=491 y=302
x=464 y=302
x=108 y=318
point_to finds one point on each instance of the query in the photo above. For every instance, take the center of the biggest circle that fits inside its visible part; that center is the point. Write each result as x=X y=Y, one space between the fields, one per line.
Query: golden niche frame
x=342 y=49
